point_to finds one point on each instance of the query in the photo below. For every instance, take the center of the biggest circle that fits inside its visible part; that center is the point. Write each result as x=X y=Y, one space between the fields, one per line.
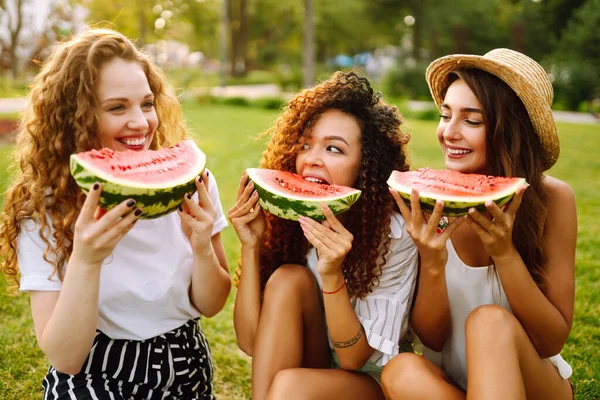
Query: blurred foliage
x=267 y=35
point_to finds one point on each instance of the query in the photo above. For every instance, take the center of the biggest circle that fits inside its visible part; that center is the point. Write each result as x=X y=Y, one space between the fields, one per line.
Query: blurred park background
x=235 y=62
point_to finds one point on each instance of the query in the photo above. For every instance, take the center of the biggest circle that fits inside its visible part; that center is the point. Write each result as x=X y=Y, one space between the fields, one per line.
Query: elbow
x=432 y=340
x=245 y=345
x=546 y=350
x=435 y=345
x=68 y=367
x=350 y=365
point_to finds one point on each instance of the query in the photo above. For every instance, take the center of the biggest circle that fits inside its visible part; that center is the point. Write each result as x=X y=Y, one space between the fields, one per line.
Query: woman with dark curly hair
x=346 y=282
x=115 y=300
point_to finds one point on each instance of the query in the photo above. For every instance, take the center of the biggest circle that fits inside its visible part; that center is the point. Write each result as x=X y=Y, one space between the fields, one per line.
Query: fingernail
x=138 y=212
x=207 y=173
x=189 y=196
x=180 y=209
x=96 y=186
x=130 y=203
x=200 y=178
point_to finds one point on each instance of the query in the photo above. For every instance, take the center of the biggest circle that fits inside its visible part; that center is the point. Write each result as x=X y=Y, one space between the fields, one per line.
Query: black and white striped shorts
x=174 y=365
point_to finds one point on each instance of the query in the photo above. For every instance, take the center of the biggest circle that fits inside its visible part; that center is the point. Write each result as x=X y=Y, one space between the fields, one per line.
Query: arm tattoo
x=351 y=342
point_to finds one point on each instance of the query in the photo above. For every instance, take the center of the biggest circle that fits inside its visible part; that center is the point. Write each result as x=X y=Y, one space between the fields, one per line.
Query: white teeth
x=316 y=180
x=457 y=152
x=134 y=142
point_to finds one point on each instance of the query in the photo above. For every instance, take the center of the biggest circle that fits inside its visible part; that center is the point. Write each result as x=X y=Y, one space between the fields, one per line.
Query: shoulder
x=559 y=193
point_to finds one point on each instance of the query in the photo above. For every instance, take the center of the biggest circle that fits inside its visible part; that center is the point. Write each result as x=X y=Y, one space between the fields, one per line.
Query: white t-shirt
x=144 y=285
x=385 y=311
x=469 y=288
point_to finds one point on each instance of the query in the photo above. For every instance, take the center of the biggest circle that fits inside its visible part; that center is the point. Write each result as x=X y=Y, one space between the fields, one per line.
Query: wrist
x=506 y=256
x=332 y=282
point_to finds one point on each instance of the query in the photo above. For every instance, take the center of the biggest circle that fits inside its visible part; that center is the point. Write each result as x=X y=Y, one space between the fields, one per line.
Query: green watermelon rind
x=453 y=205
x=288 y=207
x=154 y=202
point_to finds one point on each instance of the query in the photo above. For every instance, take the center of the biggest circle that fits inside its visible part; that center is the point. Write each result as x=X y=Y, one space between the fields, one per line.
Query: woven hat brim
x=539 y=110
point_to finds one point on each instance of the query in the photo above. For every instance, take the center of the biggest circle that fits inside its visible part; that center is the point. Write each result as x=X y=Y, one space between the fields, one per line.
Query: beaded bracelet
x=336 y=290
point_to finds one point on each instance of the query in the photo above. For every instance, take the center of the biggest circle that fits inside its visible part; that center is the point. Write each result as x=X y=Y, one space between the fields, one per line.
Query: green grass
x=227 y=135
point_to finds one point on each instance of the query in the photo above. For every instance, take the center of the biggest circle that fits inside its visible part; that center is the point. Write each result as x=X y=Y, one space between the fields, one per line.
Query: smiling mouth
x=316 y=180
x=134 y=142
x=458 y=152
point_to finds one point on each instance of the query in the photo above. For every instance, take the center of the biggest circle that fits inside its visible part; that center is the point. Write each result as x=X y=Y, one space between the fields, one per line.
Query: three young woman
x=321 y=307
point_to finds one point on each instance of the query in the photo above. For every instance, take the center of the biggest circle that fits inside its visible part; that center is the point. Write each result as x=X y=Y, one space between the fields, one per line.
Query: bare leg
x=504 y=364
x=291 y=331
x=326 y=384
x=410 y=376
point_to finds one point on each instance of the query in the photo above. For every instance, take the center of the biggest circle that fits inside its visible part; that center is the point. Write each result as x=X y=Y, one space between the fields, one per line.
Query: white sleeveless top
x=469 y=288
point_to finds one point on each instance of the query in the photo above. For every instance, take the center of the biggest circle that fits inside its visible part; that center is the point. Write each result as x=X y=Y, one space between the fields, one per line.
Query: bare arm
x=333 y=242
x=248 y=221
x=247 y=301
x=546 y=318
x=210 y=284
x=345 y=329
x=65 y=322
x=430 y=316
x=210 y=279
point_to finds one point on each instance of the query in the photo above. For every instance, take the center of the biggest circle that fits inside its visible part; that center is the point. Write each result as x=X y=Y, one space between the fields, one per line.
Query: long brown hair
x=513 y=149
x=383 y=150
x=61 y=119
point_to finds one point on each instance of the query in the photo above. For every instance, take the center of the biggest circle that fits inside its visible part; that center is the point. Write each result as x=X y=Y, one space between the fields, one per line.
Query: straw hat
x=525 y=76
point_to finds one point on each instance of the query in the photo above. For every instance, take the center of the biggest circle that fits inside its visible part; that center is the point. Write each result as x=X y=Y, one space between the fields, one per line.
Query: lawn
x=227 y=135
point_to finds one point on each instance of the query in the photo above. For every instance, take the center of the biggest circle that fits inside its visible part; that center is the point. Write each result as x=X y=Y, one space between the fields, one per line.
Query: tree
x=11 y=16
x=308 y=45
x=238 y=23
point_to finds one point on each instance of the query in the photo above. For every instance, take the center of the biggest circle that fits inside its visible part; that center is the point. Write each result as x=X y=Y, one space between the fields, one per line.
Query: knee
x=287 y=385
x=290 y=279
x=491 y=321
x=401 y=373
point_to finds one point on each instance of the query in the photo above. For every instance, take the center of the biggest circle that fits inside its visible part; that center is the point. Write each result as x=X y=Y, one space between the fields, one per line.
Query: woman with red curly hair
x=115 y=300
x=322 y=307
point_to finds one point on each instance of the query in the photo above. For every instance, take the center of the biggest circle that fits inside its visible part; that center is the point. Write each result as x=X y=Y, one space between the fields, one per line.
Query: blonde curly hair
x=383 y=150
x=61 y=119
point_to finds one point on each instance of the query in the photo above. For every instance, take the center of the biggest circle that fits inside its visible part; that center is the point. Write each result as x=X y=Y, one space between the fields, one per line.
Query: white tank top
x=469 y=288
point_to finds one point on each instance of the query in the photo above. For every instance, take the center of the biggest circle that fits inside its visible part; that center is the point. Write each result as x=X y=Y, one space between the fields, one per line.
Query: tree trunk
x=15 y=29
x=239 y=36
x=142 y=21
x=309 y=44
x=223 y=42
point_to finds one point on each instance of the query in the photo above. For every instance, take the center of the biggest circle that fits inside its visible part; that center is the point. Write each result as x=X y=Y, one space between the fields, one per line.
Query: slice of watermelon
x=157 y=180
x=289 y=195
x=459 y=191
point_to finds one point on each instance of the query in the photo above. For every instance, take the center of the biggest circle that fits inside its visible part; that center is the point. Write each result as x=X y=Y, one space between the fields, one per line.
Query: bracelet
x=336 y=290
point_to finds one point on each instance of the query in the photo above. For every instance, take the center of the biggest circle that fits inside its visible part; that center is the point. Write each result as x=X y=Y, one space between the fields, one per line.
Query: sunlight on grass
x=227 y=134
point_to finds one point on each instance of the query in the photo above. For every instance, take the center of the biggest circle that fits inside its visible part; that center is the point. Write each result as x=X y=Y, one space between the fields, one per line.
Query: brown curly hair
x=61 y=119
x=383 y=150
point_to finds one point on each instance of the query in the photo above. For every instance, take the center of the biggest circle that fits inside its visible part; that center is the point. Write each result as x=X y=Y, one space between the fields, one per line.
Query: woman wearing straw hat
x=496 y=290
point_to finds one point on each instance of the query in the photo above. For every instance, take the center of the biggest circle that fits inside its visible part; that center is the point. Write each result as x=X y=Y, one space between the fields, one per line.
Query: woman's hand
x=97 y=232
x=197 y=219
x=496 y=229
x=246 y=216
x=332 y=241
x=431 y=245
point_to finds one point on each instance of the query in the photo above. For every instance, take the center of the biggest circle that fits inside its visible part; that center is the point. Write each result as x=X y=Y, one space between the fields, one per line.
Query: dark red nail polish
x=180 y=209
x=138 y=212
x=96 y=186
x=189 y=196
x=200 y=178
x=130 y=203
